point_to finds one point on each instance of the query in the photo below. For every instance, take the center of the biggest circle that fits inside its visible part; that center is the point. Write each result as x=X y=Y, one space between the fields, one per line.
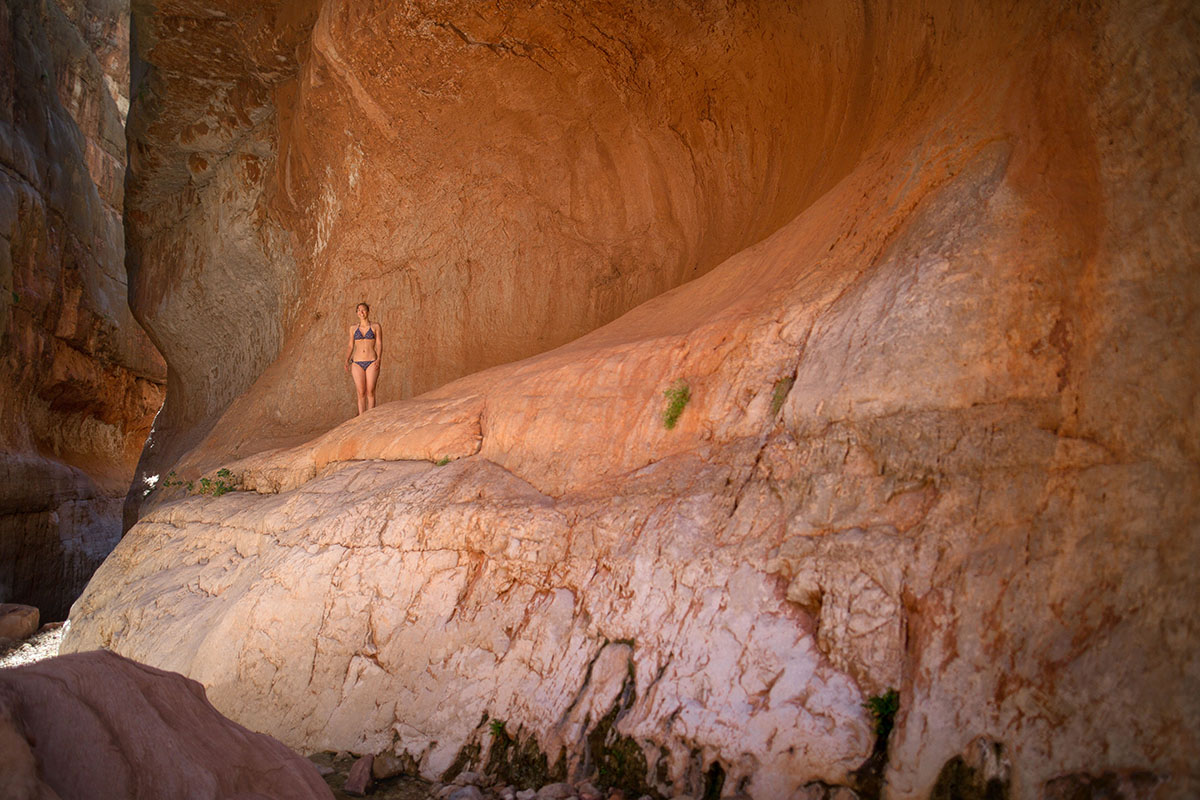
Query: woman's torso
x=364 y=343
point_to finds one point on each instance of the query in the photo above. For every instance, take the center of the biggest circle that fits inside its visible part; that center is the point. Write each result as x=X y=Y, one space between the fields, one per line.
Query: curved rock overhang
x=496 y=182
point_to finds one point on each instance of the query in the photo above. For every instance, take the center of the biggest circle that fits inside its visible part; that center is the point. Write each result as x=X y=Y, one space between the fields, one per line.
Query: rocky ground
x=40 y=646
x=337 y=771
x=335 y=768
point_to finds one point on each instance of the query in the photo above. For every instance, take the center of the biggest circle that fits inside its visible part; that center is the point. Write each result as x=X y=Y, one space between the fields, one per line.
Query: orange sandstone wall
x=495 y=181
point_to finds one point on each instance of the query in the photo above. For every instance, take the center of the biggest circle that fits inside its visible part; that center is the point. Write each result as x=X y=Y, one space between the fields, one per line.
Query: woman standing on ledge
x=363 y=356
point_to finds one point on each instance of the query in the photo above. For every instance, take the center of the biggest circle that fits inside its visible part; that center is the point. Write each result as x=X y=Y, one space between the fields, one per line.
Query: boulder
x=17 y=621
x=358 y=782
x=388 y=765
x=96 y=725
x=468 y=778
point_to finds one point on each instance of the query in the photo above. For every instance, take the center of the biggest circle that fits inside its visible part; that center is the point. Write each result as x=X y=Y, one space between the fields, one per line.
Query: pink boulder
x=96 y=725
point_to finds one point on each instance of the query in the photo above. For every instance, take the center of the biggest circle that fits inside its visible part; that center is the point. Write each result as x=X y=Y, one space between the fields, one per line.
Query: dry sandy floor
x=42 y=645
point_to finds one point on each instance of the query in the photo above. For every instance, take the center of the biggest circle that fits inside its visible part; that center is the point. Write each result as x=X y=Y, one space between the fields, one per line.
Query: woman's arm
x=379 y=343
x=350 y=349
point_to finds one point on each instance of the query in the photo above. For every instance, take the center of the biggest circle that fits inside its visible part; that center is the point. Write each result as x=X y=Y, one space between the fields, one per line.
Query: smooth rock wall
x=80 y=382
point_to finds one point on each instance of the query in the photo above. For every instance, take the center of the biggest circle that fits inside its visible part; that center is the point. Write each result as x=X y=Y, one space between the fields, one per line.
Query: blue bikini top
x=358 y=334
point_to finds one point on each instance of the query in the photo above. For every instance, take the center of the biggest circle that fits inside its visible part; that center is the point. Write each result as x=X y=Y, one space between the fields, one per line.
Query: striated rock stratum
x=79 y=381
x=928 y=273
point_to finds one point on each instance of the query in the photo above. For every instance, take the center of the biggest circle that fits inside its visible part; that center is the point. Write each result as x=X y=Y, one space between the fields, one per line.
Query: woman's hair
x=363 y=305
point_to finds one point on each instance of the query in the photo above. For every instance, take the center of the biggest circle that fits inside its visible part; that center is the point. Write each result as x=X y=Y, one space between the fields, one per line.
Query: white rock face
x=403 y=628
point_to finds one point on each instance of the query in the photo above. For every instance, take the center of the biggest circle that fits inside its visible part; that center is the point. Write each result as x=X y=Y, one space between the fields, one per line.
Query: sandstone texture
x=95 y=725
x=18 y=621
x=929 y=274
x=79 y=381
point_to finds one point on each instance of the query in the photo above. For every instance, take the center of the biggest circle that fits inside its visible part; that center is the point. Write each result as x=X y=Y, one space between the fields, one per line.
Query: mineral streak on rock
x=928 y=273
x=79 y=381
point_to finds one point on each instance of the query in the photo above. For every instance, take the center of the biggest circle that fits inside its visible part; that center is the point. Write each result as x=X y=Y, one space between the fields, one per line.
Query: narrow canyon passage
x=743 y=365
x=79 y=381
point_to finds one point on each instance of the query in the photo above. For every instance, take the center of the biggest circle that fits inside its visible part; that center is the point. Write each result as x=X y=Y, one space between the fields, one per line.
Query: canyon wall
x=79 y=381
x=495 y=182
x=927 y=273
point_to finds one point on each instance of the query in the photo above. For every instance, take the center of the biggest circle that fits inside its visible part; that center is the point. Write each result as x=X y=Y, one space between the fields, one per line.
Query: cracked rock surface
x=942 y=434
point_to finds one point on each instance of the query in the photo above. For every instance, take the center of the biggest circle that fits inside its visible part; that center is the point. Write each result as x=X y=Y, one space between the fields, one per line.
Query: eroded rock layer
x=941 y=436
x=79 y=381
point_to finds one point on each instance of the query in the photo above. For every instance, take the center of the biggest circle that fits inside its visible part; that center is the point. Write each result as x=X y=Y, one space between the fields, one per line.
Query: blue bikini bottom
x=365 y=364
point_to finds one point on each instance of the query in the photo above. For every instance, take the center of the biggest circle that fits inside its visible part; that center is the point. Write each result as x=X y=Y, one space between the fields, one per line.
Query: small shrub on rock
x=678 y=395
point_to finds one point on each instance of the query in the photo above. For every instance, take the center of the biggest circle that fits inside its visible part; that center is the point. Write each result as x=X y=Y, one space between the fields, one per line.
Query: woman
x=363 y=356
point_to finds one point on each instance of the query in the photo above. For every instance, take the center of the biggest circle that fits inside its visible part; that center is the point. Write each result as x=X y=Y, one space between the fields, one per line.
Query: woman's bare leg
x=360 y=385
x=372 y=377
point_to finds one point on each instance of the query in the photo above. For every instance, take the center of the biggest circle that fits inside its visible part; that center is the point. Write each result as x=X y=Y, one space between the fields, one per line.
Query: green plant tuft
x=883 y=708
x=678 y=395
x=170 y=481
x=867 y=779
x=497 y=727
x=441 y=462
x=518 y=761
x=620 y=762
x=782 y=387
x=223 y=484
